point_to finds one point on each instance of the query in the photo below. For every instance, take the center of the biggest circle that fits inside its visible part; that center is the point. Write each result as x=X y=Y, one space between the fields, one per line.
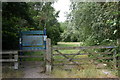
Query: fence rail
x=48 y=54
x=10 y=52
x=26 y=56
x=87 y=47
x=8 y=60
x=84 y=53
x=15 y=56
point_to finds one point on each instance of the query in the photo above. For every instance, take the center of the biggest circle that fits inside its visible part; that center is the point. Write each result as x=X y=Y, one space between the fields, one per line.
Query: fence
x=48 y=57
x=9 y=57
x=13 y=57
x=82 y=51
x=72 y=59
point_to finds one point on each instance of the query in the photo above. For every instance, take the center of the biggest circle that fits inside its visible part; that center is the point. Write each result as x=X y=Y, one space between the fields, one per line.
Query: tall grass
x=11 y=73
x=89 y=72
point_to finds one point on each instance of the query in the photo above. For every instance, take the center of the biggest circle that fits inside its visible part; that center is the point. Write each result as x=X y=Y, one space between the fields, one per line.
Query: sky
x=63 y=6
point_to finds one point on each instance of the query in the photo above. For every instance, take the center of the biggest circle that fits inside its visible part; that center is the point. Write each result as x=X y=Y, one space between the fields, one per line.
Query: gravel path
x=34 y=71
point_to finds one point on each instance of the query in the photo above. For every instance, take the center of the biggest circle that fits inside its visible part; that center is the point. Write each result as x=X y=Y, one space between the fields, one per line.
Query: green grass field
x=41 y=53
x=60 y=44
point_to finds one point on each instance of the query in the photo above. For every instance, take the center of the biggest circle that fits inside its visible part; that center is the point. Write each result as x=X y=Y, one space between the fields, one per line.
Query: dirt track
x=34 y=70
x=35 y=73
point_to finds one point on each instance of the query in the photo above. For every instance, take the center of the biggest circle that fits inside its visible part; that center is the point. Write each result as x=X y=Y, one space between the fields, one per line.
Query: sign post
x=48 y=56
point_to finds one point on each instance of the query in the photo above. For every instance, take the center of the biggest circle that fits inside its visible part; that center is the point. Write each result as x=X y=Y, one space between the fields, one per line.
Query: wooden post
x=115 y=59
x=118 y=57
x=11 y=57
x=48 y=56
x=16 y=62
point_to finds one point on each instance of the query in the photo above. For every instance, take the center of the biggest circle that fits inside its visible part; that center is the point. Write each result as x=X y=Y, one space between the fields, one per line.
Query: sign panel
x=33 y=40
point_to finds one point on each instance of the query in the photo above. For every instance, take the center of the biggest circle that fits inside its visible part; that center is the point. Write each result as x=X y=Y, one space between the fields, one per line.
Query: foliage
x=21 y=16
x=45 y=16
x=69 y=34
x=94 y=23
x=12 y=14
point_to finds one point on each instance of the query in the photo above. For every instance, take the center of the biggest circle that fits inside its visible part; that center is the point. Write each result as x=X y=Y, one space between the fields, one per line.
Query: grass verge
x=11 y=73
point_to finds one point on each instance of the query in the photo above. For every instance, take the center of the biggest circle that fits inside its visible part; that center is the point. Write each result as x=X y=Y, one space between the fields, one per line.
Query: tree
x=94 y=23
x=45 y=16
x=22 y=16
x=12 y=15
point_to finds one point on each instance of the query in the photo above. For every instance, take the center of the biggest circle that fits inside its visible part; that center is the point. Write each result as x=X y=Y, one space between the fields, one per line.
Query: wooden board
x=32 y=40
x=88 y=47
x=32 y=32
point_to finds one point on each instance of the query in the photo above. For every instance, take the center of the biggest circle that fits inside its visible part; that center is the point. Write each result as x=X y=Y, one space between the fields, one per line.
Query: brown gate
x=74 y=58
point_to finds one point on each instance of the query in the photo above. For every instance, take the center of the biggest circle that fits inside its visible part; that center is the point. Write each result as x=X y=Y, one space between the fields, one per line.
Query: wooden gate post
x=16 y=61
x=118 y=58
x=48 y=56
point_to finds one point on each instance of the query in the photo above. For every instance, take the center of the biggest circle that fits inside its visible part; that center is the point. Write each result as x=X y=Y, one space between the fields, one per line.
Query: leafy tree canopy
x=22 y=16
x=94 y=23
